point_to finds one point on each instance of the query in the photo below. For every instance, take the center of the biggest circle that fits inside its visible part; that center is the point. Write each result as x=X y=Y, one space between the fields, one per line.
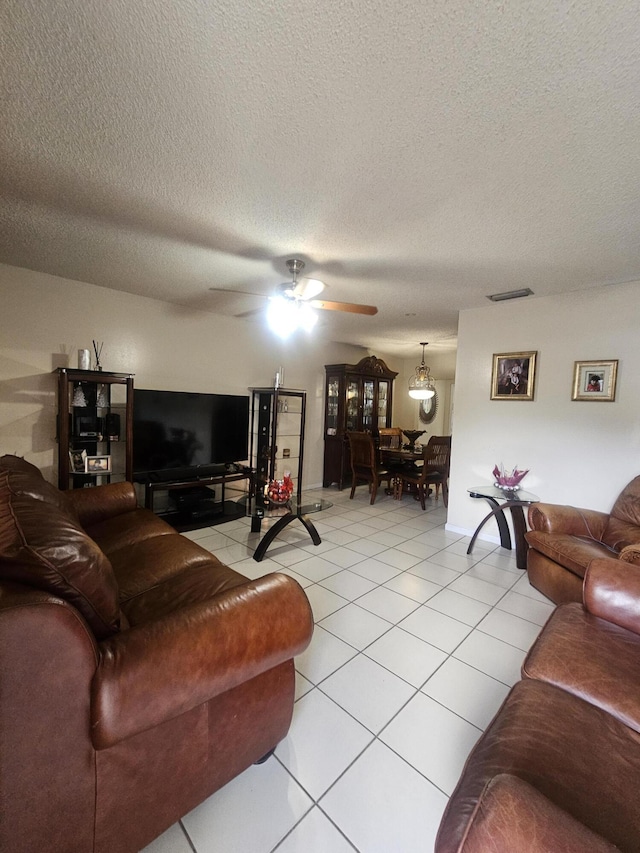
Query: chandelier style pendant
x=421 y=384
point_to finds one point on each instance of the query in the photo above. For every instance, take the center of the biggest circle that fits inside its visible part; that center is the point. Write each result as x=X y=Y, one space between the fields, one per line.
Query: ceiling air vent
x=510 y=294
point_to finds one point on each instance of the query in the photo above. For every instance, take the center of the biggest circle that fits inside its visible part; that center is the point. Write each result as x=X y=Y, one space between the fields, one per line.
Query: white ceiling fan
x=296 y=298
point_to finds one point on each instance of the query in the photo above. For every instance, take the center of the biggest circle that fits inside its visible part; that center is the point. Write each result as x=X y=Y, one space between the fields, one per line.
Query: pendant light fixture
x=421 y=384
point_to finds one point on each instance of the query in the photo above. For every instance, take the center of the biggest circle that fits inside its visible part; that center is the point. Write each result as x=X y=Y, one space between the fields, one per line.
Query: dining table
x=397 y=459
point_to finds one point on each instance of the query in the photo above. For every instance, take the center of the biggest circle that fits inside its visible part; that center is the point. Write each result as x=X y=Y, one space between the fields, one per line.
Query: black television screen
x=178 y=430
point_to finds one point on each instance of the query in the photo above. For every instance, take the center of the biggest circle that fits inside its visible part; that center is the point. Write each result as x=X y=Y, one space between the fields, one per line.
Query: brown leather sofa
x=563 y=540
x=138 y=674
x=558 y=769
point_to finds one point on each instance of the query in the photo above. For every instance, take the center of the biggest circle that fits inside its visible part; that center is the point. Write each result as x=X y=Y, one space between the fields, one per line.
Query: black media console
x=194 y=500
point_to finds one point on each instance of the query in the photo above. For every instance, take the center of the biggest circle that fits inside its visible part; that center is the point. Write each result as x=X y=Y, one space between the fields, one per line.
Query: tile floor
x=415 y=646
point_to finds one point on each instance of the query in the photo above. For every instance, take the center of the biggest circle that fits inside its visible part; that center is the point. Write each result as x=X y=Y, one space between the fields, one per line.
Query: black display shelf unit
x=95 y=419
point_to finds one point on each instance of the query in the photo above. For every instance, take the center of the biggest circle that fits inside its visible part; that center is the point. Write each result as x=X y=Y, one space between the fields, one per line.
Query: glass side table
x=500 y=500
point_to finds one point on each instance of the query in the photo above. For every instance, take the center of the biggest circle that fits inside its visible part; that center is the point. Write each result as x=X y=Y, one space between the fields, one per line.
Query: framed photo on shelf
x=513 y=376
x=595 y=381
x=98 y=465
x=77 y=459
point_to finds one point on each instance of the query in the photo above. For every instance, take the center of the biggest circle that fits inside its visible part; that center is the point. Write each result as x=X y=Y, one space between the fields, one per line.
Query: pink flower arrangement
x=506 y=480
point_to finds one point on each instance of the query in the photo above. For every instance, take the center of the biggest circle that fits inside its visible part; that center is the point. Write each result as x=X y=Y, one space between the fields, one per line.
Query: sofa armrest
x=553 y=518
x=108 y=501
x=162 y=669
x=513 y=815
x=612 y=592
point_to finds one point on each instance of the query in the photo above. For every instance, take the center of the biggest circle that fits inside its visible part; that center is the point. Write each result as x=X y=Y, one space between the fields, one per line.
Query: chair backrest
x=363 y=450
x=437 y=455
x=390 y=437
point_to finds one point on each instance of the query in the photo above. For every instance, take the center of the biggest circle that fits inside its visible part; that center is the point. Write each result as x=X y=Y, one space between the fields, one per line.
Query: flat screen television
x=178 y=434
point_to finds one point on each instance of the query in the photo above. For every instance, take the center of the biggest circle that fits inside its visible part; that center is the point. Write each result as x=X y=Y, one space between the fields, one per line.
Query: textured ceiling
x=418 y=155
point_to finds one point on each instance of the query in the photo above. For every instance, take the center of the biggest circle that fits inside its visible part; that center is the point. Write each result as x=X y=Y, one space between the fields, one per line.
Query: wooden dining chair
x=390 y=437
x=364 y=463
x=434 y=472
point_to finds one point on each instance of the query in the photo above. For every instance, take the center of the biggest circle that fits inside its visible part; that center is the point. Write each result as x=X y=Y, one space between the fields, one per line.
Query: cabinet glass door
x=333 y=385
x=351 y=420
x=367 y=405
x=383 y=403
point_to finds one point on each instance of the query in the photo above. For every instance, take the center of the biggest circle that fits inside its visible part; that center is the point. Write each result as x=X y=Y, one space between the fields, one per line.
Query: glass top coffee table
x=499 y=500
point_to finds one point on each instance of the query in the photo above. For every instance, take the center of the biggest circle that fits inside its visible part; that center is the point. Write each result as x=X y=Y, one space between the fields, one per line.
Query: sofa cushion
x=575 y=754
x=143 y=565
x=44 y=547
x=129 y=528
x=513 y=815
x=623 y=527
x=26 y=479
x=591 y=658
x=573 y=552
x=201 y=583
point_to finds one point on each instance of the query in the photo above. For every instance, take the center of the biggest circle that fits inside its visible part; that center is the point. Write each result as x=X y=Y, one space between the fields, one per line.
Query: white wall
x=45 y=319
x=580 y=453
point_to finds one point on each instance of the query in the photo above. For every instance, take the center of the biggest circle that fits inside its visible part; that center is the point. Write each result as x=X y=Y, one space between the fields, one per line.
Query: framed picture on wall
x=513 y=376
x=595 y=381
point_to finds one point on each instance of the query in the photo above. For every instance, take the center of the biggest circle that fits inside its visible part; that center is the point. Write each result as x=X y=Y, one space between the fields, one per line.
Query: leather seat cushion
x=511 y=812
x=576 y=755
x=142 y=566
x=26 y=479
x=128 y=529
x=591 y=658
x=44 y=547
x=573 y=552
x=200 y=583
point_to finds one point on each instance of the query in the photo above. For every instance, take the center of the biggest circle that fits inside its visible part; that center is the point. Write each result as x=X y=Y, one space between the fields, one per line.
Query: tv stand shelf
x=209 y=511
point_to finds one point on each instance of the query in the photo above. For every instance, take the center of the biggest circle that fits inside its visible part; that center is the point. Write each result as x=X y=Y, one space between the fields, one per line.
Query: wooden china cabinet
x=358 y=397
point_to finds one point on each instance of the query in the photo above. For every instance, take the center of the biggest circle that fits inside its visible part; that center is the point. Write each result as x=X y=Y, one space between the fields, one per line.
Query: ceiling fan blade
x=349 y=307
x=236 y=292
x=308 y=288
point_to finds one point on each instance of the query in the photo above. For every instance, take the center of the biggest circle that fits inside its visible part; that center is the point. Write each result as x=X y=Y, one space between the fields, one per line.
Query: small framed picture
x=513 y=375
x=98 y=464
x=595 y=381
x=77 y=460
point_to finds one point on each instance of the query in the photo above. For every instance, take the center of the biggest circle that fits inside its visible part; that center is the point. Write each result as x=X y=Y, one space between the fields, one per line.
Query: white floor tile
x=303 y=685
x=406 y=655
x=348 y=584
x=368 y=692
x=384 y=806
x=366 y=547
x=316 y=568
x=432 y=739
x=413 y=587
x=315 y=834
x=495 y=658
x=323 y=601
x=477 y=588
x=512 y=629
x=375 y=571
x=387 y=604
x=467 y=692
x=436 y=574
x=172 y=841
x=356 y=626
x=451 y=560
x=459 y=607
x=397 y=559
x=486 y=572
x=344 y=557
x=322 y=742
x=526 y=608
x=324 y=655
x=251 y=814
x=417 y=549
x=435 y=628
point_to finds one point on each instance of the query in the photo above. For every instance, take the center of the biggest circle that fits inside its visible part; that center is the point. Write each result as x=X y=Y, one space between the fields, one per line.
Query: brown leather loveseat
x=563 y=540
x=558 y=769
x=138 y=674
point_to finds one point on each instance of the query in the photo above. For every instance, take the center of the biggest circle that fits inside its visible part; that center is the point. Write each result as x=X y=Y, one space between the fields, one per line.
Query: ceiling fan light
x=307 y=317
x=422 y=385
x=282 y=316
